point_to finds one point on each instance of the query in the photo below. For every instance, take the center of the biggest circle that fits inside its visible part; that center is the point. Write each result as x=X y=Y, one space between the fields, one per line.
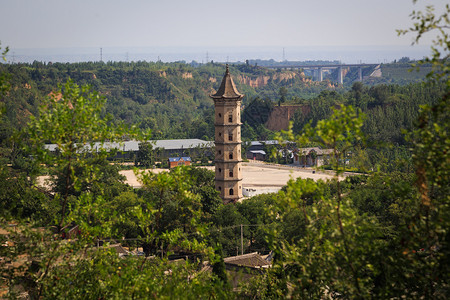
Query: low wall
x=281 y=115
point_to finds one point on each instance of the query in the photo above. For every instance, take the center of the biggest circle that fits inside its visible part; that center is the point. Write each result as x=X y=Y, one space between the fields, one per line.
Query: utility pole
x=101 y=54
x=242 y=240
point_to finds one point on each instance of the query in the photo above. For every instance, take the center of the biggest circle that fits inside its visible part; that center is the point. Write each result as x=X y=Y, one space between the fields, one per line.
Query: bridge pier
x=340 y=77
x=319 y=74
x=360 y=74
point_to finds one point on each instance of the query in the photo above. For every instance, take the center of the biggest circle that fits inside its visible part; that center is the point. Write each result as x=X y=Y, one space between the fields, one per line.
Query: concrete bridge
x=319 y=69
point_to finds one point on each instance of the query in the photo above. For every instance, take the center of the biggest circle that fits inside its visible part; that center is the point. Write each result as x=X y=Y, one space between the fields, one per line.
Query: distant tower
x=227 y=102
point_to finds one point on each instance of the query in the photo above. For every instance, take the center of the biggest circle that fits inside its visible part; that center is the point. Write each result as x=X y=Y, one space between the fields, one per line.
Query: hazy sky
x=204 y=23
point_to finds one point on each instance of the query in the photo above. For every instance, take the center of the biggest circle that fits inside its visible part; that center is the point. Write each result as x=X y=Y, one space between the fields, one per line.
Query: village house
x=256 y=155
x=312 y=157
x=242 y=268
x=179 y=161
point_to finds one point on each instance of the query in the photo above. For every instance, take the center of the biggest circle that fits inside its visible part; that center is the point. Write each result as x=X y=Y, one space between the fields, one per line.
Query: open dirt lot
x=255 y=175
x=265 y=175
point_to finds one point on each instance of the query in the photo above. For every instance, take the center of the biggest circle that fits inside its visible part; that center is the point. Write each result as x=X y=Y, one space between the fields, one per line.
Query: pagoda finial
x=227 y=71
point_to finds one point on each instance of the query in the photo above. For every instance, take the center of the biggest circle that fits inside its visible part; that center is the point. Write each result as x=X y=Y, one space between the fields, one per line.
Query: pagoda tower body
x=227 y=103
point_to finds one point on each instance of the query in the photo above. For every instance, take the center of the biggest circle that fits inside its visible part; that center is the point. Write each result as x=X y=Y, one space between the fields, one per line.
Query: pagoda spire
x=227 y=89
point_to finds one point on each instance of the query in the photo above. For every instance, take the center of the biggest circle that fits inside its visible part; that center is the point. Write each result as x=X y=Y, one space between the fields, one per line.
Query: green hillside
x=172 y=99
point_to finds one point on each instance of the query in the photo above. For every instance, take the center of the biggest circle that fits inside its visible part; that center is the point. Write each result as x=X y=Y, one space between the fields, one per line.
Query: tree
x=145 y=156
x=332 y=233
x=282 y=93
x=404 y=59
x=227 y=219
x=202 y=184
x=429 y=228
x=72 y=119
x=257 y=112
x=347 y=254
x=171 y=212
x=42 y=264
x=4 y=86
x=219 y=265
x=426 y=23
x=254 y=210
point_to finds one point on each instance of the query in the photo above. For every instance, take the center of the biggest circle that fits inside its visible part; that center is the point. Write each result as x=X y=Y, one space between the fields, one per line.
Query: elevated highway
x=319 y=69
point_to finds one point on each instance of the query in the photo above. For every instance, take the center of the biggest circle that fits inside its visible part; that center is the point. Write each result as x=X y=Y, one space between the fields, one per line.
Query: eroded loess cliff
x=262 y=80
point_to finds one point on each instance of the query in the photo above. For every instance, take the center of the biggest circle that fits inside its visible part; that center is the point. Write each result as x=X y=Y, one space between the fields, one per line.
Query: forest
x=382 y=233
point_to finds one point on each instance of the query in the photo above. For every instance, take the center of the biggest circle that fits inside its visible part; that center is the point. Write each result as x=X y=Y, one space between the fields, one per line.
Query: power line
x=193 y=233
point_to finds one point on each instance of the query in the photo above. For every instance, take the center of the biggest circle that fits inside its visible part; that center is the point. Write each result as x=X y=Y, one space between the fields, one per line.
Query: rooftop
x=185 y=158
x=134 y=145
x=253 y=260
x=227 y=88
x=319 y=151
x=260 y=143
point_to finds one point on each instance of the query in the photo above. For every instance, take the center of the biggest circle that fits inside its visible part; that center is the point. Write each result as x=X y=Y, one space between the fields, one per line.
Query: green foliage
x=377 y=237
x=424 y=24
x=341 y=132
x=329 y=253
x=4 y=86
x=100 y=273
x=202 y=184
x=389 y=109
x=228 y=220
x=257 y=112
x=320 y=109
x=20 y=200
x=88 y=193
x=283 y=93
x=384 y=196
x=254 y=211
x=145 y=156
x=380 y=235
x=252 y=214
x=107 y=181
x=164 y=97
x=218 y=267
x=125 y=222
x=401 y=73
x=171 y=213
x=72 y=119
